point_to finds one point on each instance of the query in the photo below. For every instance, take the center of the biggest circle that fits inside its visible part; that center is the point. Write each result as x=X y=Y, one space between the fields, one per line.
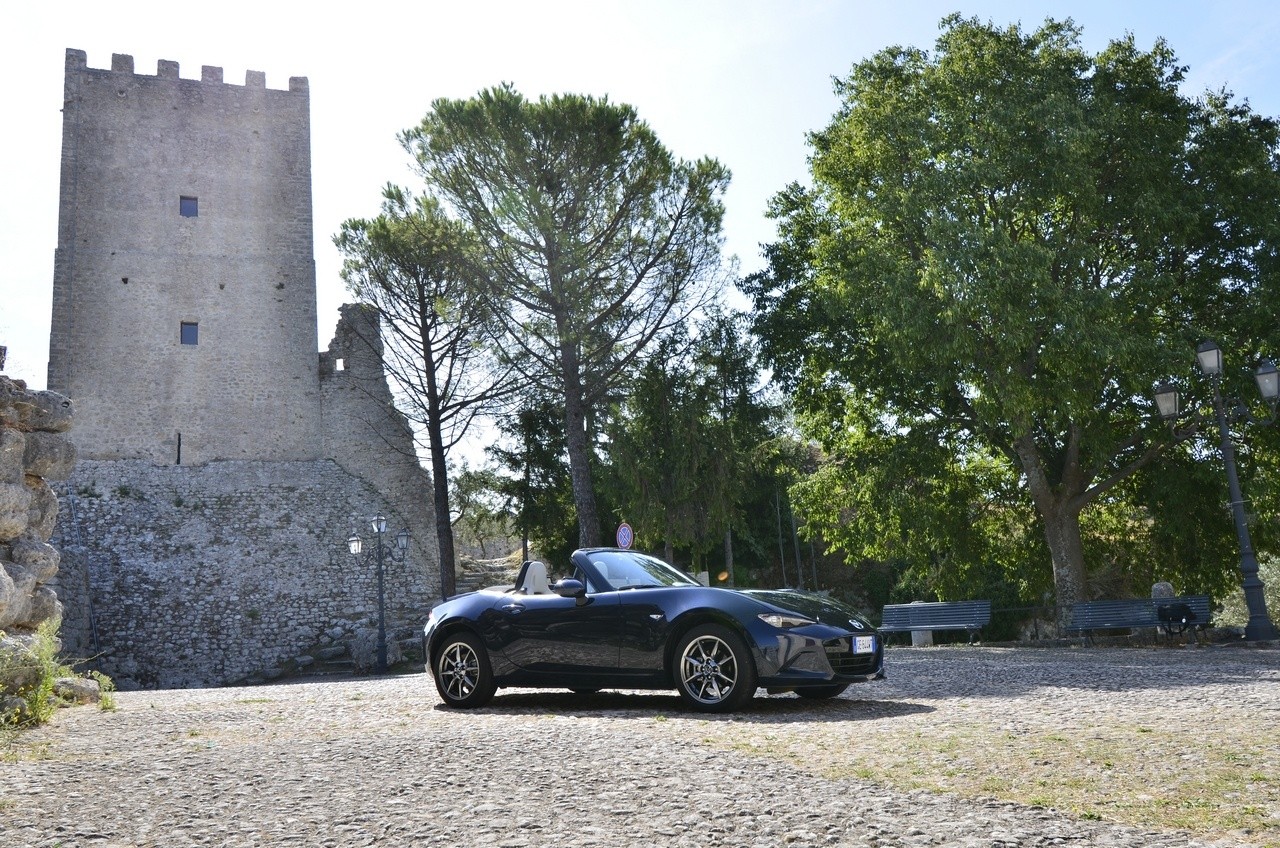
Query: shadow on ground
x=651 y=705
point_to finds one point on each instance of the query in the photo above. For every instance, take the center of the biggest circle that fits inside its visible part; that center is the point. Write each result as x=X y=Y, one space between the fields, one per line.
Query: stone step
x=479 y=575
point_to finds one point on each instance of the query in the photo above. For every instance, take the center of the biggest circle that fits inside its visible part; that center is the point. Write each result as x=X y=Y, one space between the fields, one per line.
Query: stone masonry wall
x=189 y=575
x=196 y=576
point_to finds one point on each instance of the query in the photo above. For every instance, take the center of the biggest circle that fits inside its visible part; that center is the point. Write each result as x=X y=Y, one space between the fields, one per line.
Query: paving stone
x=377 y=761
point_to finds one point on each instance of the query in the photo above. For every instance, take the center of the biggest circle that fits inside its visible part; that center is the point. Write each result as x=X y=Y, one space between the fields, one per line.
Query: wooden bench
x=1173 y=615
x=971 y=616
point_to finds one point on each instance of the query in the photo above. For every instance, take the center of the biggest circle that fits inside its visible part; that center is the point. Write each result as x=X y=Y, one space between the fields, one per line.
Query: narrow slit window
x=190 y=333
x=189 y=207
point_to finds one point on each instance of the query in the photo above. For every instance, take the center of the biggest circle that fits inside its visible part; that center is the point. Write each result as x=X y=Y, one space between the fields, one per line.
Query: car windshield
x=627 y=570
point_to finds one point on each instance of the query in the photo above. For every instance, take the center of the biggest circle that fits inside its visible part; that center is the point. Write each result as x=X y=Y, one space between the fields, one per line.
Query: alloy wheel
x=459 y=670
x=708 y=669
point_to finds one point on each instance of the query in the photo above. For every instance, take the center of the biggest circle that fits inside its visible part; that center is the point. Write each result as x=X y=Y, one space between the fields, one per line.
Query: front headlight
x=783 y=621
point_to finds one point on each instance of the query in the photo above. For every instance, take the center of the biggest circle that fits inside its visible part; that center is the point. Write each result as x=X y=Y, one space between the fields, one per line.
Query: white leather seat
x=535 y=579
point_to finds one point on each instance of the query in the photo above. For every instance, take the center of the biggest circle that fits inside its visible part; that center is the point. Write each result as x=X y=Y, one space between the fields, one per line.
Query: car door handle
x=513 y=608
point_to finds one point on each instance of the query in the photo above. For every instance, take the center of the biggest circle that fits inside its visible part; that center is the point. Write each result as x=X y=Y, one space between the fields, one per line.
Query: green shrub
x=28 y=670
x=1235 y=613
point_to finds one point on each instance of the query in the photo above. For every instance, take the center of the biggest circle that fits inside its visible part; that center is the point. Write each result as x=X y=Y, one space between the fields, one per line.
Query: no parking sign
x=625 y=535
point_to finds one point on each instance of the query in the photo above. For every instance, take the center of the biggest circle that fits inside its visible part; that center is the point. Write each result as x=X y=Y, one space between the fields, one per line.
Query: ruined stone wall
x=363 y=431
x=185 y=202
x=192 y=576
x=33 y=451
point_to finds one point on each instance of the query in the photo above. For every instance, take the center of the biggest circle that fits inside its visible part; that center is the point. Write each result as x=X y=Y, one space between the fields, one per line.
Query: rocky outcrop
x=33 y=451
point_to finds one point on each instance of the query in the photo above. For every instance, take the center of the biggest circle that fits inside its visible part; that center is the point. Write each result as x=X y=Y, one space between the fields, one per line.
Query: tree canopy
x=594 y=238
x=1007 y=242
x=673 y=444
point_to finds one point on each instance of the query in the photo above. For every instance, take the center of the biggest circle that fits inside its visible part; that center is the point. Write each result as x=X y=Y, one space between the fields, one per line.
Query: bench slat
x=1133 y=612
x=938 y=615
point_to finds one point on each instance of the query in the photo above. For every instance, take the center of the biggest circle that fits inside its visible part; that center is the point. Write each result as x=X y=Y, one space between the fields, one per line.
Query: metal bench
x=1173 y=615
x=971 y=616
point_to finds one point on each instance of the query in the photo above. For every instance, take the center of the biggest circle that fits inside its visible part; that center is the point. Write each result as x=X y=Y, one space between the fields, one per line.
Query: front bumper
x=799 y=657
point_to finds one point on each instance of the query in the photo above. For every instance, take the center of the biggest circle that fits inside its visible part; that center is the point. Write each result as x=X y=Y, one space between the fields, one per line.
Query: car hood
x=818 y=607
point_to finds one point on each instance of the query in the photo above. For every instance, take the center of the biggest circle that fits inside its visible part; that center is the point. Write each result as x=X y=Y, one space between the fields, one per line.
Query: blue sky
x=740 y=81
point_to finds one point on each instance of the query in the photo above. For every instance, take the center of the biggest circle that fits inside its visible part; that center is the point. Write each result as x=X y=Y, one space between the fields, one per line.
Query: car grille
x=845 y=662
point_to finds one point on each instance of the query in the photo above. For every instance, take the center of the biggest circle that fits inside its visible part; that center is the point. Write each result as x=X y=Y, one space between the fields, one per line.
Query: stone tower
x=224 y=460
x=185 y=267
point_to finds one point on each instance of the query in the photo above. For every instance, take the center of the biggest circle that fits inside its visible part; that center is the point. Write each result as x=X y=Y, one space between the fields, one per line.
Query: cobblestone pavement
x=379 y=762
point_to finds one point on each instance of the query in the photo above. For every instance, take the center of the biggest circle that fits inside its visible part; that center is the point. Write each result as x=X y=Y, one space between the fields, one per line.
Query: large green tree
x=668 y=452
x=595 y=239
x=727 y=355
x=1007 y=242
x=532 y=477
x=682 y=446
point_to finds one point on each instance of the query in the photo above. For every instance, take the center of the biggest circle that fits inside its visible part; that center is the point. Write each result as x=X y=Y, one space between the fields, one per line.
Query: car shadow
x=763 y=708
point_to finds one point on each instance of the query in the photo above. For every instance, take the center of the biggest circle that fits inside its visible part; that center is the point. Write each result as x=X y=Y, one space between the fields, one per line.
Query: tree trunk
x=575 y=428
x=1059 y=507
x=782 y=557
x=728 y=556
x=795 y=540
x=439 y=469
x=1062 y=533
x=444 y=528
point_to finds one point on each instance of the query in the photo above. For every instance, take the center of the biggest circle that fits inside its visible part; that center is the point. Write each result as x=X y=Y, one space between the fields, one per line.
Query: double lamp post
x=380 y=554
x=1209 y=355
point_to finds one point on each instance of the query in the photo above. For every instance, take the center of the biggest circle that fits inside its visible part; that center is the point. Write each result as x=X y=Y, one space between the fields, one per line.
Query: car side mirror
x=569 y=588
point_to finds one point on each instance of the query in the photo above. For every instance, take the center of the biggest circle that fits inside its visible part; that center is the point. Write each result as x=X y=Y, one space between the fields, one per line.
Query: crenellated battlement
x=167 y=69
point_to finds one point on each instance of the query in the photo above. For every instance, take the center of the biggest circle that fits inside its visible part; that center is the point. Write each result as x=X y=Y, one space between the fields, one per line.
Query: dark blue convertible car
x=623 y=620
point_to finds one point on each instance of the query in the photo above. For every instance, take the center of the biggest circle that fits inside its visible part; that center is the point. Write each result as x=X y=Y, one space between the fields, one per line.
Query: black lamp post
x=1209 y=356
x=380 y=553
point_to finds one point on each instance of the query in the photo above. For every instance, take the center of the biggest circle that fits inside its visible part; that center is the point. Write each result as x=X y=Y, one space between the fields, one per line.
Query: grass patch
x=106 y=691
x=1114 y=769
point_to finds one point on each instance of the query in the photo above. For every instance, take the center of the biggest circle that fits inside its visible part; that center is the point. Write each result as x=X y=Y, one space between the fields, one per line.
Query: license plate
x=863 y=644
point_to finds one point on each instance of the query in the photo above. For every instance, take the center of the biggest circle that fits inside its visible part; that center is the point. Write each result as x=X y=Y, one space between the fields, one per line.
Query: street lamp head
x=379 y=524
x=354 y=544
x=1268 y=378
x=1167 y=400
x=1210 y=358
x=402 y=539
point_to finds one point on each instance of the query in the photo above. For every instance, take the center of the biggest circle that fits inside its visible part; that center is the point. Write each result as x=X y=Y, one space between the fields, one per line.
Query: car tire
x=713 y=669
x=463 y=674
x=831 y=690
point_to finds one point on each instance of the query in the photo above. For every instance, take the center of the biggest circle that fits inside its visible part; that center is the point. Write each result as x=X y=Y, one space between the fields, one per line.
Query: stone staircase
x=329 y=661
x=479 y=574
